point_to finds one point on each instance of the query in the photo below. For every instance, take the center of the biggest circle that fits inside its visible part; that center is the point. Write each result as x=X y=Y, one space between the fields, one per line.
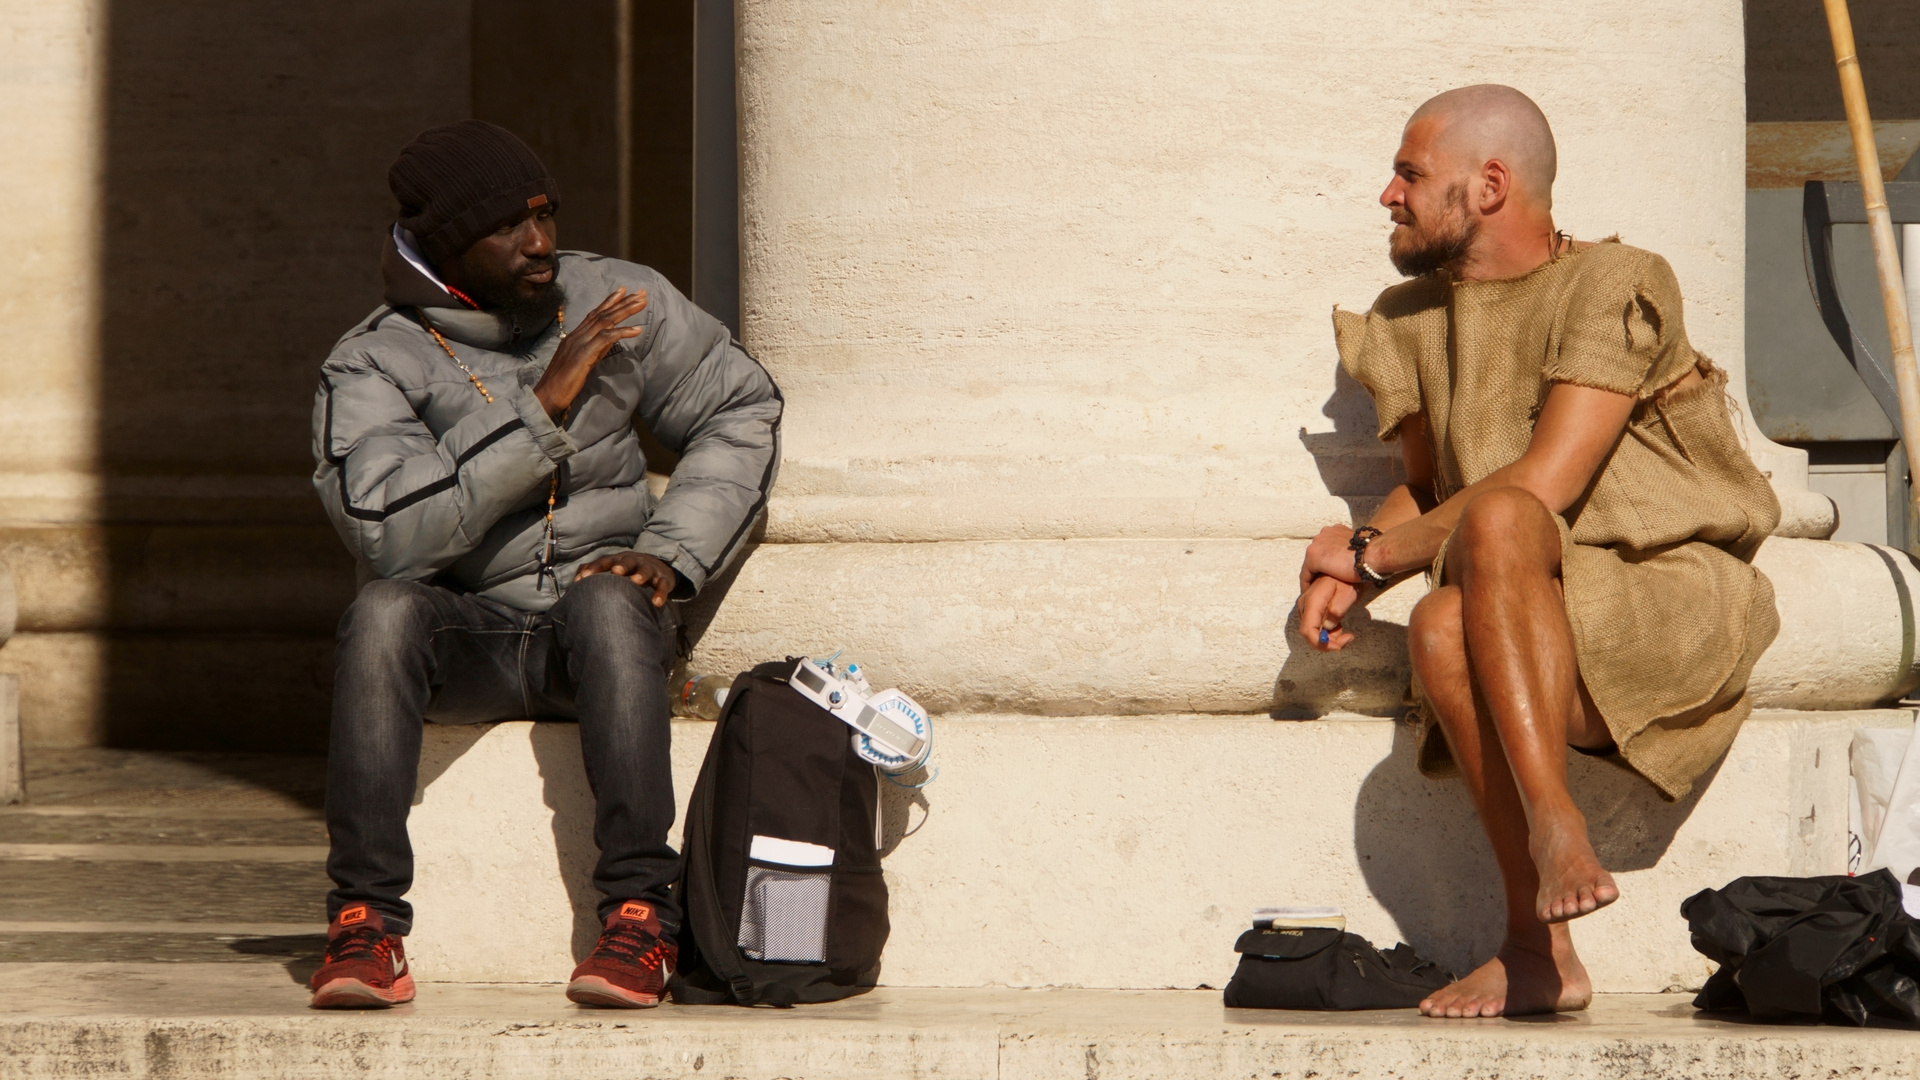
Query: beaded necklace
x=553 y=484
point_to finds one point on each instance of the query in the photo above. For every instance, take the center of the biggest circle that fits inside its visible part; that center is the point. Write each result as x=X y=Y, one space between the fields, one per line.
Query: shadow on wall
x=1369 y=676
x=1425 y=858
x=1790 y=62
x=556 y=750
x=556 y=753
x=246 y=149
x=1354 y=464
x=697 y=614
x=903 y=810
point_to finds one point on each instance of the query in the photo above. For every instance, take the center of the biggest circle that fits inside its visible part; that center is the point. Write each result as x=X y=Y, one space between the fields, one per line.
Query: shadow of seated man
x=1587 y=512
x=476 y=451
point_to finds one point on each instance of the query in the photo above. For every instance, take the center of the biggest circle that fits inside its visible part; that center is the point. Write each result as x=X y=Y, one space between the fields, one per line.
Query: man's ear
x=1496 y=186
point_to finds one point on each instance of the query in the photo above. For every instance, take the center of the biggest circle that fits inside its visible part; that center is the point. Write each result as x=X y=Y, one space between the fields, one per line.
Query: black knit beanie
x=459 y=182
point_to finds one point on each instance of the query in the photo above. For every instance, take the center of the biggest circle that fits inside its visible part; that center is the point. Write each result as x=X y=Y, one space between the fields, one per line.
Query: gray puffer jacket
x=427 y=481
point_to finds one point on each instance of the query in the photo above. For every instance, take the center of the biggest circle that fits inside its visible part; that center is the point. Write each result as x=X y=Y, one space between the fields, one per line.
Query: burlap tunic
x=1668 y=614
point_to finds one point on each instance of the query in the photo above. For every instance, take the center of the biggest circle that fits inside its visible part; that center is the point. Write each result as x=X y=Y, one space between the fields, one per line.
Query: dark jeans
x=408 y=652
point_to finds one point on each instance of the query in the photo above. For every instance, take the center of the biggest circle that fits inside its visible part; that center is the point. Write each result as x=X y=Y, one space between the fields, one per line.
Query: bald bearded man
x=1581 y=503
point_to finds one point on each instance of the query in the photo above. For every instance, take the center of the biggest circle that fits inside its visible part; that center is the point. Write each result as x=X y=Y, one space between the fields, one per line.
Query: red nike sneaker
x=628 y=969
x=365 y=967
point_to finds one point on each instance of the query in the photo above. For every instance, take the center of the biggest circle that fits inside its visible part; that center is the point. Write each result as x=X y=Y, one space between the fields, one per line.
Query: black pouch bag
x=807 y=924
x=1327 y=969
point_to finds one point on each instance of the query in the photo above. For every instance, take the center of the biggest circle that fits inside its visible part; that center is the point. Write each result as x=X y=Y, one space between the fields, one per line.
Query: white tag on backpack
x=789 y=852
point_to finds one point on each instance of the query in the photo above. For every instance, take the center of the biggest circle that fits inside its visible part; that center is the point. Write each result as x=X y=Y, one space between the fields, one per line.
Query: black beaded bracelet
x=1364 y=535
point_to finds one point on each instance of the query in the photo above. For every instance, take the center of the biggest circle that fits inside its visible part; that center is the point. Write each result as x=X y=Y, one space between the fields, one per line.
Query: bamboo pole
x=1886 y=257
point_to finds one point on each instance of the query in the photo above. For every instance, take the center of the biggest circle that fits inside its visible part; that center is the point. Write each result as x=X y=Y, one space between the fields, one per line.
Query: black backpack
x=780 y=880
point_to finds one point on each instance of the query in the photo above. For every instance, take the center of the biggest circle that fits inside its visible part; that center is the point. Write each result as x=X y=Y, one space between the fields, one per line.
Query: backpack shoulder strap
x=717 y=947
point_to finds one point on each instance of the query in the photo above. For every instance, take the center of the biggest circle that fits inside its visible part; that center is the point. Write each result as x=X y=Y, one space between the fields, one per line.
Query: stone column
x=200 y=201
x=52 y=78
x=1048 y=291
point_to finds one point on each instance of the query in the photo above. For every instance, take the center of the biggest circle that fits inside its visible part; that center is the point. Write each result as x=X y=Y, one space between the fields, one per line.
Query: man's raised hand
x=644 y=571
x=585 y=346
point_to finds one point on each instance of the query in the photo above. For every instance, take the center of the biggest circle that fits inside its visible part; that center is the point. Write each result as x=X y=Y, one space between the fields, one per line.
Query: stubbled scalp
x=1478 y=124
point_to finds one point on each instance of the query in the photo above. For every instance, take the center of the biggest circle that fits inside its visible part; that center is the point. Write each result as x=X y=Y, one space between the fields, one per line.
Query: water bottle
x=702 y=697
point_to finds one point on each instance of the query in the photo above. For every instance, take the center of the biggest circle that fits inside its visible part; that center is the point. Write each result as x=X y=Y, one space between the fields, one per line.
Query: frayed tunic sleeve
x=1622 y=329
x=1371 y=352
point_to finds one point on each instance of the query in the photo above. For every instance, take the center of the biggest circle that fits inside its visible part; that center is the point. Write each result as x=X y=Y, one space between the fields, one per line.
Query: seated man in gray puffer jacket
x=476 y=450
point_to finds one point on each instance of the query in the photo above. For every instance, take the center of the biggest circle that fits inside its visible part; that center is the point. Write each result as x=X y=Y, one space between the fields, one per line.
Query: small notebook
x=1298 y=918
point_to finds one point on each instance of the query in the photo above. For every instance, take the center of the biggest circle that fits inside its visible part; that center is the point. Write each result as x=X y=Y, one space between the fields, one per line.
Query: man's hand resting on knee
x=1328 y=588
x=644 y=571
x=1323 y=605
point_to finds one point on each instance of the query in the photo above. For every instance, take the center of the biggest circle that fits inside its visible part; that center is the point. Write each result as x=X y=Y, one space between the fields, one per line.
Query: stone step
x=156 y=828
x=1128 y=852
x=159 y=786
x=233 y=889
x=150 y=689
x=182 y=1021
x=1145 y=626
x=293 y=946
x=1115 y=627
x=133 y=856
x=206 y=879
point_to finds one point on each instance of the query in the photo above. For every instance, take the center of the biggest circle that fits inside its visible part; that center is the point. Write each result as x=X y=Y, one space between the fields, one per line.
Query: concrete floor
x=154 y=1020
x=159 y=915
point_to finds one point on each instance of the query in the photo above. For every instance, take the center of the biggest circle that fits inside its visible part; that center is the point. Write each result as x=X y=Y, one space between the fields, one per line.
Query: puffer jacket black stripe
x=427 y=481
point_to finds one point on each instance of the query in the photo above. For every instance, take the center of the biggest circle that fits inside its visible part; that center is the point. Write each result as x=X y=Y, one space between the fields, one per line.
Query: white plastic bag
x=1886 y=779
x=1877 y=754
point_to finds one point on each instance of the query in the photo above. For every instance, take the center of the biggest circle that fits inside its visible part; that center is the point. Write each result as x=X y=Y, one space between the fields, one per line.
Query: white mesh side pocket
x=783 y=917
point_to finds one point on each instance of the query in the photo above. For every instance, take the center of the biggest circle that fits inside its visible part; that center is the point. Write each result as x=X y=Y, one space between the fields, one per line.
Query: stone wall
x=205 y=187
x=51 y=65
x=1049 y=287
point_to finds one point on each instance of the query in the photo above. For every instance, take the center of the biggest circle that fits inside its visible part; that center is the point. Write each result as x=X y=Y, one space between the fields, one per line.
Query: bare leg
x=1495 y=654
x=1505 y=554
x=1536 y=969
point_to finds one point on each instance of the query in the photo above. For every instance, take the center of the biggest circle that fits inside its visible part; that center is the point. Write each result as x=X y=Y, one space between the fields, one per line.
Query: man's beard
x=528 y=314
x=1421 y=249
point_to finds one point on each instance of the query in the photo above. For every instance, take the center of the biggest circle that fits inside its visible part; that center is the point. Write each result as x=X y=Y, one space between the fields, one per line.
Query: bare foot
x=1572 y=881
x=1517 y=982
